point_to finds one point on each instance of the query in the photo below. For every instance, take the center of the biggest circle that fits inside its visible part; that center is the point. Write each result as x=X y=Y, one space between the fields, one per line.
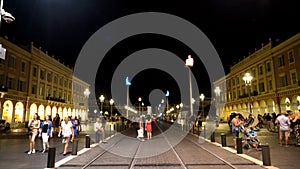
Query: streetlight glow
x=101 y=98
x=190 y=63
x=111 y=102
x=202 y=100
x=248 y=78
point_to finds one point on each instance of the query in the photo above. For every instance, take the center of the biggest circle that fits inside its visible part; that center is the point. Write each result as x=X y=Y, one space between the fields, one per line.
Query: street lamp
x=8 y=18
x=101 y=98
x=248 y=78
x=128 y=83
x=217 y=92
x=86 y=93
x=202 y=100
x=140 y=99
x=111 y=102
x=167 y=101
x=189 y=62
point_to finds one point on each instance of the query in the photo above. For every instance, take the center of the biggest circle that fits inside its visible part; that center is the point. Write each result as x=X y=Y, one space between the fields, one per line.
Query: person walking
x=199 y=124
x=141 y=128
x=295 y=125
x=268 y=122
x=33 y=127
x=56 y=123
x=284 y=124
x=149 y=127
x=67 y=131
x=46 y=132
x=98 y=128
x=75 y=125
x=236 y=124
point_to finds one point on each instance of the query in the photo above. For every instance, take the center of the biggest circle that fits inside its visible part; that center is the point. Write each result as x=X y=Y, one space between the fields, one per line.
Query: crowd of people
x=285 y=123
x=68 y=128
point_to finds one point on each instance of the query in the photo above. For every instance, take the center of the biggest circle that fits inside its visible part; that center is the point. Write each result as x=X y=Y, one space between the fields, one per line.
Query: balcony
x=55 y=99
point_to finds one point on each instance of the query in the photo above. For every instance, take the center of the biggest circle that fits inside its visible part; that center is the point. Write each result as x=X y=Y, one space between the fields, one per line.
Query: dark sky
x=235 y=27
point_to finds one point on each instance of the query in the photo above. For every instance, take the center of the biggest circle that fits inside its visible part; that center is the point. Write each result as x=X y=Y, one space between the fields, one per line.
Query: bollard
x=266 y=155
x=51 y=158
x=212 y=137
x=204 y=132
x=199 y=130
x=115 y=129
x=75 y=147
x=110 y=130
x=239 y=146
x=87 y=141
x=223 y=139
x=193 y=129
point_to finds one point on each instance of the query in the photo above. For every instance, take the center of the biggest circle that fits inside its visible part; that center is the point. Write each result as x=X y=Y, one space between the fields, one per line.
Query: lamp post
x=86 y=94
x=128 y=83
x=140 y=99
x=101 y=98
x=167 y=101
x=202 y=100
x=189 y=62
x=248 y=78
x=5 y=15
x=111 y=102
x=217 y=92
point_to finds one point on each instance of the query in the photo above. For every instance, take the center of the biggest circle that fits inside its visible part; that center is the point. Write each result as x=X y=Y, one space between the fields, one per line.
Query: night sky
x=235 y=28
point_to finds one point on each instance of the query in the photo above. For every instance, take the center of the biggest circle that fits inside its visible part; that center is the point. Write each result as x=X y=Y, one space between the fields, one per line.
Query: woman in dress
x=67 y=131
x=33 y=127
x=149 y=127
x=46 y=132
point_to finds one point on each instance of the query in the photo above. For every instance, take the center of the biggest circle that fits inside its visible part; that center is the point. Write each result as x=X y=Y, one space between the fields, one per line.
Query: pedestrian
x=140 y=131
x=99 y=131
x=236 y=128
x=67 y=131
x=268 y=122
x=75 y=125
x=199 y=124
x=33 y=129
x=149 y=127
x=295 y=125
x=103 y=121
x=283 y=122
x=46 y=132
x=56 y=123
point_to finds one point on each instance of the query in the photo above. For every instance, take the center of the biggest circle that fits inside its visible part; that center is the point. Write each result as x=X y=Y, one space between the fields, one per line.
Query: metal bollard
x=51 y=158
x=115 y=130
x=212 y=137
x=266 y=155
x=75 y=147
x=223 y=139
x=110 y=130
x=204 y=132
x=239 y=146
x=87 y=141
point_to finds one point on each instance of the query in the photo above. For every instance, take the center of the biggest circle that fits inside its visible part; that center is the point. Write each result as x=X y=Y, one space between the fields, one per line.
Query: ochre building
x=34 y=82
x=275 y=84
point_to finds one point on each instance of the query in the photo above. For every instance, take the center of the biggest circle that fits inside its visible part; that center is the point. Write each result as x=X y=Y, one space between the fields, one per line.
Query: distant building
x=275 y=86
x=38 y=83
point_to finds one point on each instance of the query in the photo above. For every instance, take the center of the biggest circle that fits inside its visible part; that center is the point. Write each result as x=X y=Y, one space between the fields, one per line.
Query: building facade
x=275 y=84
x=34 y=82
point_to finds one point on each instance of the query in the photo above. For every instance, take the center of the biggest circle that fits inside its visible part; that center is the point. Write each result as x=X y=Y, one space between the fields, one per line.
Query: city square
x=161 y=85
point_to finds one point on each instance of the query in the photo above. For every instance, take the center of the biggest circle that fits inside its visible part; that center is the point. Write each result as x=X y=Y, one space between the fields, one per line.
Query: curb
x=254 y=160
x=82 y=151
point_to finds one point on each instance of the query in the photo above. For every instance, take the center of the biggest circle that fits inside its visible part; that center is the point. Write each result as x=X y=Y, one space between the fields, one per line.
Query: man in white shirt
x=99 y=131
x=284 y=123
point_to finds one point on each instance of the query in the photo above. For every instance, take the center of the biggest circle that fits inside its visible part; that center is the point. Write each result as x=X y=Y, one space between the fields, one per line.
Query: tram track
x=180 y=158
